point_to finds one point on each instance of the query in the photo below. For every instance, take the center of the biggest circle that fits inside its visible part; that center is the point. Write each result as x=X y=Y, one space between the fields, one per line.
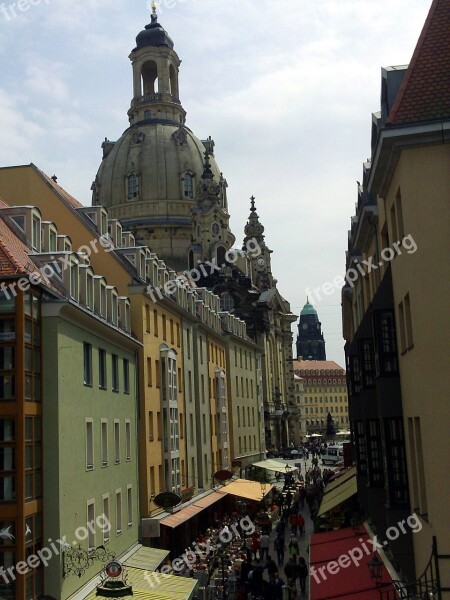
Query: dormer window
x=36 y=233
x=226 y=302
x=132 y=186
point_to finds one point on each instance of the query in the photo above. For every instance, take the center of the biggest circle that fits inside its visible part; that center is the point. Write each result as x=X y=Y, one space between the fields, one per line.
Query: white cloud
x=286 y=90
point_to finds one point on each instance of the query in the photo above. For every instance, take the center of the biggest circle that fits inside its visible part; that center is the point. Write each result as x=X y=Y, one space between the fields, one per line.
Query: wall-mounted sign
x=223 y=475
x=167 y=500
x=113 y=569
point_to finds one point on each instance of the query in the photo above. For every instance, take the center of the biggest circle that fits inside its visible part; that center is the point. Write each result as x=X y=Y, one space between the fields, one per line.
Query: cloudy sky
x=286 y=89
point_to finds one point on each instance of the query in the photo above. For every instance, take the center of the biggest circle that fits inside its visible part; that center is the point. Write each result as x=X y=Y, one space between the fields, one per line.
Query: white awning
x=275 y=465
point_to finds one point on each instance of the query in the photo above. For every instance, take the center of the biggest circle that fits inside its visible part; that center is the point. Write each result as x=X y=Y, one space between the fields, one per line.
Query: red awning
x=339 y=566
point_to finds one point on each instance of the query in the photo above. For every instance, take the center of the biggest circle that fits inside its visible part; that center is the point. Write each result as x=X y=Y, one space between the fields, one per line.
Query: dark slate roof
x=424 y=94
x=153 y=35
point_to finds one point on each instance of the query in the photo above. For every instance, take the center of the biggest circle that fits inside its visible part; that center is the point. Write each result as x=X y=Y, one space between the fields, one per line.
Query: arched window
x=149 y=77
x=132 y=186
x=188 y=186
x=227 y=302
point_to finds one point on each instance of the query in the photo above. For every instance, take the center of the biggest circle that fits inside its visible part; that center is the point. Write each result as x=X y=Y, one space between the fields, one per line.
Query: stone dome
x=161 y=156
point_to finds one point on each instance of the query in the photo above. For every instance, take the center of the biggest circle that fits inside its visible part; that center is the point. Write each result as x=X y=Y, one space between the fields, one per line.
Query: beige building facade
x=395 y=318
x=324 y=392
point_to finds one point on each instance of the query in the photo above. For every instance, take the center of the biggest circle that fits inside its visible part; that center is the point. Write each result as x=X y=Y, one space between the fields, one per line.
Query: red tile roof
x=312 y=365
x=424 y=94
x=13 y=253
x=14 y=259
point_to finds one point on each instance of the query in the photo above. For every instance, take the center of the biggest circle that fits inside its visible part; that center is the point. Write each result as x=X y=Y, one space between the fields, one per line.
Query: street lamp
x=263 y=489
x=375 y=567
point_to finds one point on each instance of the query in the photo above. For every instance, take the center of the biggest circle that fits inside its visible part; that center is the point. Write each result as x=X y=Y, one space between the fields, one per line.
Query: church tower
x=211 y=234
x=310 y=342
x=150 y=178
x=262 y=276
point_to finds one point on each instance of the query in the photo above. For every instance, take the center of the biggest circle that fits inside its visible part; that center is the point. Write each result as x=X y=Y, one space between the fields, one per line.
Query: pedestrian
x=271 y=566
x=300 y=523
x=256 y=580
x=293 y=522
x=291 y=590
x=275 y=588
x=291 y=569
x=288 y=499
x=255 y=544
x=293 y=547
x=264 y=543
x=279 y=547
x=302 y=574
x=281 y=528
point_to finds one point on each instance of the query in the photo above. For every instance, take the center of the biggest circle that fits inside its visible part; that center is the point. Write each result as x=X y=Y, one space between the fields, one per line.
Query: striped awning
x=156 y=586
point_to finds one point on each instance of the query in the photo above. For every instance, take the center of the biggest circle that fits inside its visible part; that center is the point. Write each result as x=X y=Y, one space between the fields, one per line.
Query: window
x=116 y=442
x=405 y=323
x=89 y=445
x=396 y=462
x=128 y=440
x=115 y=373
x=126 y=376
x=104 y=442
x=106 y=526
x=386 y=362
x=130 y=505
x=36 y=233
x=374 y=451
x=7 y=460
x=155 y=322
x=191 y=429
x=91 y=519
x=164 y=327
x=147 y=318
x=118 y=512
x=150 y=426
x=188 y=187
x=132 y=186
x=368 y=363
x=102 y=368
x=149 y=372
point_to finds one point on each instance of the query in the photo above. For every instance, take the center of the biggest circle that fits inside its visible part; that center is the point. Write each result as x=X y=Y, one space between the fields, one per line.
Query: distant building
x=310 y=342
x=395 y=313
x=324 y=391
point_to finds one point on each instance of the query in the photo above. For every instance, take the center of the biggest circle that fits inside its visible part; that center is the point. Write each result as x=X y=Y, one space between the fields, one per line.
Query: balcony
x=154 y=98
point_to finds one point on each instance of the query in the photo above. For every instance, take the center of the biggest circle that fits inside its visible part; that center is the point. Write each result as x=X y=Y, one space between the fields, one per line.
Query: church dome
x=153 y=35
x=164 y=163
x=308 y=309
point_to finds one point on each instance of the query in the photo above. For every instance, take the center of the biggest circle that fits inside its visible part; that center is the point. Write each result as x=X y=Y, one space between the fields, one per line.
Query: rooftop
x=424 y=94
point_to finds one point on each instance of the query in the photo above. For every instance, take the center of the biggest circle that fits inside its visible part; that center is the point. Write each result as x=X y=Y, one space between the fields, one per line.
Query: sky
x=286 y=89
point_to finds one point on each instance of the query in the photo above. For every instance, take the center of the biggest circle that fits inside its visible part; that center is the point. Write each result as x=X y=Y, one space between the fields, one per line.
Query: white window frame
x=106 y=514
x=89 y=428
x=90 y=518
x=127 y=440
x=118 y=512
x=116 y=441
x=130 y=505
x=104 y=442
